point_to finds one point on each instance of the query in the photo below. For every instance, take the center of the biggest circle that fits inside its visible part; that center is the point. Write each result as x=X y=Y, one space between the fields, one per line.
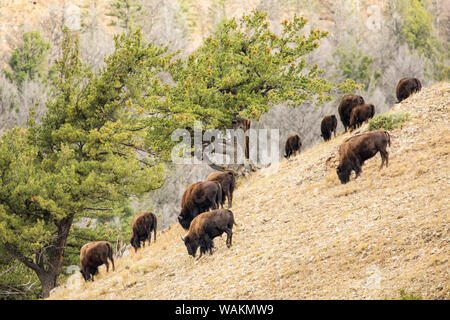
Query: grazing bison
x=293 y=145
x=227 y=182
x=143 y=225
x=407 y=86
x=357 y=149
x=348 y=102
x=197 y=198
x=93 y=255
x=361 y=114
x=205 y=227
x=328 y=125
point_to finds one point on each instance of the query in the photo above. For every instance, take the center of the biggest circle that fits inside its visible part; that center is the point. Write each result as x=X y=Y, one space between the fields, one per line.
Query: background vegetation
x=194 y=66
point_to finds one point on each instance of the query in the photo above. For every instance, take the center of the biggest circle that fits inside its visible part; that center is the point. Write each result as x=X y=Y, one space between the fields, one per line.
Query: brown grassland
x=301 y=234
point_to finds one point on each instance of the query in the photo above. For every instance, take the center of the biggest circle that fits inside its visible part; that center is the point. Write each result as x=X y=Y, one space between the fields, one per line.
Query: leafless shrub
x=8 y=94
x=161 y=23
x=94 y=46
x=15 y=104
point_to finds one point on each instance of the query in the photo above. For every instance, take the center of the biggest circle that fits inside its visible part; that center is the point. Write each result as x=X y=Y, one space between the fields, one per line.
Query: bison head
x=135 y=242
x=87 y=272
x=185 y=220
x=343 y=174
x=86 y=275
x=191 y=245
x=359 y=100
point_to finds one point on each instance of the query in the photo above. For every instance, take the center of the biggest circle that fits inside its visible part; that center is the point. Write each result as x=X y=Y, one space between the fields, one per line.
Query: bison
x=205 y=227
x=328 y=125
x=93 y=255
x=348 y=102
x=227 y=182
x=293 y=145
x=143 y=225
x=407 y=86
x=361 y=114
x=197 y=198
x=357 y=149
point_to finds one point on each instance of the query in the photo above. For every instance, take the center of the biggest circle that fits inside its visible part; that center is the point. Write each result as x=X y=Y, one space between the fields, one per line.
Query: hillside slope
x=301 y=234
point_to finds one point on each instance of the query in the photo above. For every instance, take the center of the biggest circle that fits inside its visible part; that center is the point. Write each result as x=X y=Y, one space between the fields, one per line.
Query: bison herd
x=202 y=213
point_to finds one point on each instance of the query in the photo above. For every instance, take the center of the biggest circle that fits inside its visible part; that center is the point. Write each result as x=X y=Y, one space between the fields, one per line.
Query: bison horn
x=182 y=238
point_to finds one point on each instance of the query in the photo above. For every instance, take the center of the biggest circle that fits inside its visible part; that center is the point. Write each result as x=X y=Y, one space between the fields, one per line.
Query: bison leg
x=229 y=236
x=112 y=261
x=358 y=170
x=210 y=246
x=230 y=199
x=203 y=248
x=384 y=157
x=204 y=245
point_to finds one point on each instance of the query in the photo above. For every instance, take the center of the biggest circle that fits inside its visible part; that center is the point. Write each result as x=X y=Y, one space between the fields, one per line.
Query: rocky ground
x=301 y=234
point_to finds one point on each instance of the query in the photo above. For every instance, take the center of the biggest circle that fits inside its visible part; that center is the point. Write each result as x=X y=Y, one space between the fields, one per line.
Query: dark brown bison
x=348 y=102
x=205 y=227
x=143 y=225
x=293 y=145
x=357 y=149
x=93 y=255
x=361 y=114
x=197 y=198
x=407 y=86
x=227 y=182
x=327 y=126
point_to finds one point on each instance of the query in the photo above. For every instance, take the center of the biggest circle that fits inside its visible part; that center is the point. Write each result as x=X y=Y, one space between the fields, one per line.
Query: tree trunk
x=49 y=276
x=48 y=271
x=49 y=280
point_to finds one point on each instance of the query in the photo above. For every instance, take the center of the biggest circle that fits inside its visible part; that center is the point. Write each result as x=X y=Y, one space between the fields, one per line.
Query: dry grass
x=303 y=235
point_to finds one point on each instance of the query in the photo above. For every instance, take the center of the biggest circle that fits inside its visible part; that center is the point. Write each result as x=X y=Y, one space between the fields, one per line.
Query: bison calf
x=355 y=150
x=227 y=182
x=93 y=255
x=348 y=102
x=361 y=114
x=205 y=227
x=197 y=198
x=327 y=126
x=407 y=86
x=293 y=145
x=143 y=225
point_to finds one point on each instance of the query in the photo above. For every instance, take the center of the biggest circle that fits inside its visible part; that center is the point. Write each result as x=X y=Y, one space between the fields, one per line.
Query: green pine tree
x=125 y=14
x=240 y=72
x=29 y=60
x=81 y=158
